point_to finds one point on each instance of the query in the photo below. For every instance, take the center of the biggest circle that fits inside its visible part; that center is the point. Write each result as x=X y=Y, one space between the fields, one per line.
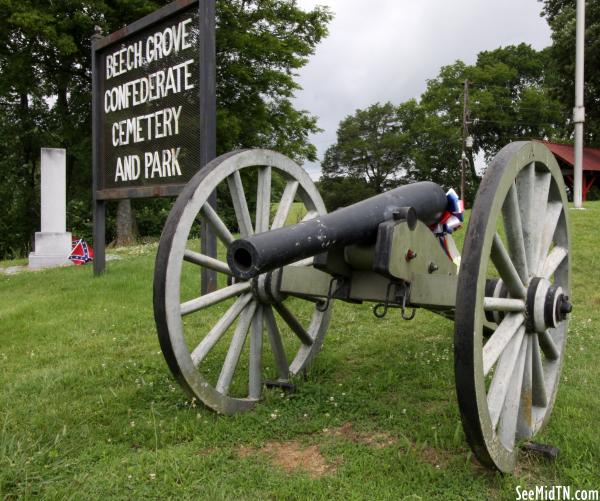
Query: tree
x=260 y=46
x=45 y=101
x=436 y=150
x=560 y=15
x=45 y=89
x=508 y=98
x=343 y=191
x=372 y=145
x=511 y=99
x=422 y=140
x=508 y=101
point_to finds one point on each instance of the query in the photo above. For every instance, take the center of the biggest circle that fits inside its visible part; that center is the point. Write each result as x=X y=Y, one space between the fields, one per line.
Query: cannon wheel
x=204 y=339
x=512 y=303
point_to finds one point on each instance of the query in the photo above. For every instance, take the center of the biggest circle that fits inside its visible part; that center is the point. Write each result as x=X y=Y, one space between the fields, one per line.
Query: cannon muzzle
x=357 y=223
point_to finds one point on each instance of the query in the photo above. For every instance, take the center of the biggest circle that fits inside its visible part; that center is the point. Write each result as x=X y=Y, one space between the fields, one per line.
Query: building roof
x=565 y=152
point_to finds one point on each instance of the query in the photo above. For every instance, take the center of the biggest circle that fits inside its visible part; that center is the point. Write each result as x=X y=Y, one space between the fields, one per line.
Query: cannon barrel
x=357 y=223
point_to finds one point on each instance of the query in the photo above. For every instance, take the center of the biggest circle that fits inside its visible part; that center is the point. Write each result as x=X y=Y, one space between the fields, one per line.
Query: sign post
x=153 y=108
x=208 y=131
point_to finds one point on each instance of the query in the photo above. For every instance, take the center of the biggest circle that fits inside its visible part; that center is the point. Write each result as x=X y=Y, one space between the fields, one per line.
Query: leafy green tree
x=45 y=101
x=260 y=46
x=45 y=92
x=511 y=100
x=560 y=15
x=343 y=191
x=508 y=101
x=372 y=145
x=507 y=97
x=436 y=150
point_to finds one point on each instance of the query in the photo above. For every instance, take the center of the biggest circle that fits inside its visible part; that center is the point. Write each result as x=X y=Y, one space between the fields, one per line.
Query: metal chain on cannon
x=400 y=290
x=451 y=220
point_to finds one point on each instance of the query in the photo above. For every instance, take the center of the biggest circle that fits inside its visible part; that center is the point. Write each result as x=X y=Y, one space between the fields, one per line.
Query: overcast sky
x=385 y=50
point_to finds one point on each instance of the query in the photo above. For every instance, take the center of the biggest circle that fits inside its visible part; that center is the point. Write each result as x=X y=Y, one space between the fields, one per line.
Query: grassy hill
x=88 y=408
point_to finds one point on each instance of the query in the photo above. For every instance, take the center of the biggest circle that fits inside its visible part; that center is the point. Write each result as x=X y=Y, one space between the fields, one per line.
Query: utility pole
x=579 y=110
x=465 y=134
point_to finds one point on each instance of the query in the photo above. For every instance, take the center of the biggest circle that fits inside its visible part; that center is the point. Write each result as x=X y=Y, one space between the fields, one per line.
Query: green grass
x=88 y=408
x=14 y=262
x=296 y=213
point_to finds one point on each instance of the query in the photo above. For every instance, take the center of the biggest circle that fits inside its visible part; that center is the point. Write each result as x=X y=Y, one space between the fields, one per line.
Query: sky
x=386 y=50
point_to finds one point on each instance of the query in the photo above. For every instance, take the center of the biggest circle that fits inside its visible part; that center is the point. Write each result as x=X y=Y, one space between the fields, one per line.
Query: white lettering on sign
x=162 y=164
x=159 y=161
x=149 y=88
x=161 y=123
x=158 y=45
x=128 y=168
x=163 y=43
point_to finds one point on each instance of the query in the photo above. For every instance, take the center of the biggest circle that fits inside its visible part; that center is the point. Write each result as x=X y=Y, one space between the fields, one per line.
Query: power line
x=507 y=121
x=511 y=122
x=460 y=85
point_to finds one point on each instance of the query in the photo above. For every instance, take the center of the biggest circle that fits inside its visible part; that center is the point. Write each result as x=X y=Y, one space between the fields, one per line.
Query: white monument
x=53 y=243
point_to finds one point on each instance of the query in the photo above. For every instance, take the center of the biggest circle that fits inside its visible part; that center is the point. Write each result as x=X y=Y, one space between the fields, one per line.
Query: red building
x=565 y=156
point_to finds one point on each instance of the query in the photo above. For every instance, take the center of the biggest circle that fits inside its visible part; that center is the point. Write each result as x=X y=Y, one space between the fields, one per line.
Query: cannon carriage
x=508 y=293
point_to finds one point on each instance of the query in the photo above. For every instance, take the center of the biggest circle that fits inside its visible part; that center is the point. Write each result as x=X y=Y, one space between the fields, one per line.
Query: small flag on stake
x=81 y=252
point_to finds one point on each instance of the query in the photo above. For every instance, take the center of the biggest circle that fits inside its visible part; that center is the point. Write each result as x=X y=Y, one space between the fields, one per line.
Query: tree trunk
x=29 y=161
x=126 y=233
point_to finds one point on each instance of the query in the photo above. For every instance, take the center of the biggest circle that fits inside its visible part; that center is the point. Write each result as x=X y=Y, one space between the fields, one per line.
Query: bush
x=343 y=191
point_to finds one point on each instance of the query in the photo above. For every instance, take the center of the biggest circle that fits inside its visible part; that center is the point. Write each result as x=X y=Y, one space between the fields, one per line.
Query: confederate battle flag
x=81 y=252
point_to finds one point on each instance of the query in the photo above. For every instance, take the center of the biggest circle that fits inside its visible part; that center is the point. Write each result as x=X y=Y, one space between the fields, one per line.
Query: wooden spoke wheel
x=205 y=338
x=512 y=303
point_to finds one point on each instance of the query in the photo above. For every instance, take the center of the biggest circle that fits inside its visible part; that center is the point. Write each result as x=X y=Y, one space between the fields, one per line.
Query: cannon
x=279 y=275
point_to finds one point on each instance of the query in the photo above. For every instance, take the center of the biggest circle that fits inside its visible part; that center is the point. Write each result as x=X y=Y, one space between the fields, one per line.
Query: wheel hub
x=264 y=288
x=547 y=305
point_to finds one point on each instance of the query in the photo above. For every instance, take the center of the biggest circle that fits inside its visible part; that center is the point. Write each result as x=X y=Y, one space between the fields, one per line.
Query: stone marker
x=53 y=243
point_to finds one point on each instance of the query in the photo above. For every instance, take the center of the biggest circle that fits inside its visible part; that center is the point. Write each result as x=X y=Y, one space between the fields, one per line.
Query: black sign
x=153 y=111
x=147 y=102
